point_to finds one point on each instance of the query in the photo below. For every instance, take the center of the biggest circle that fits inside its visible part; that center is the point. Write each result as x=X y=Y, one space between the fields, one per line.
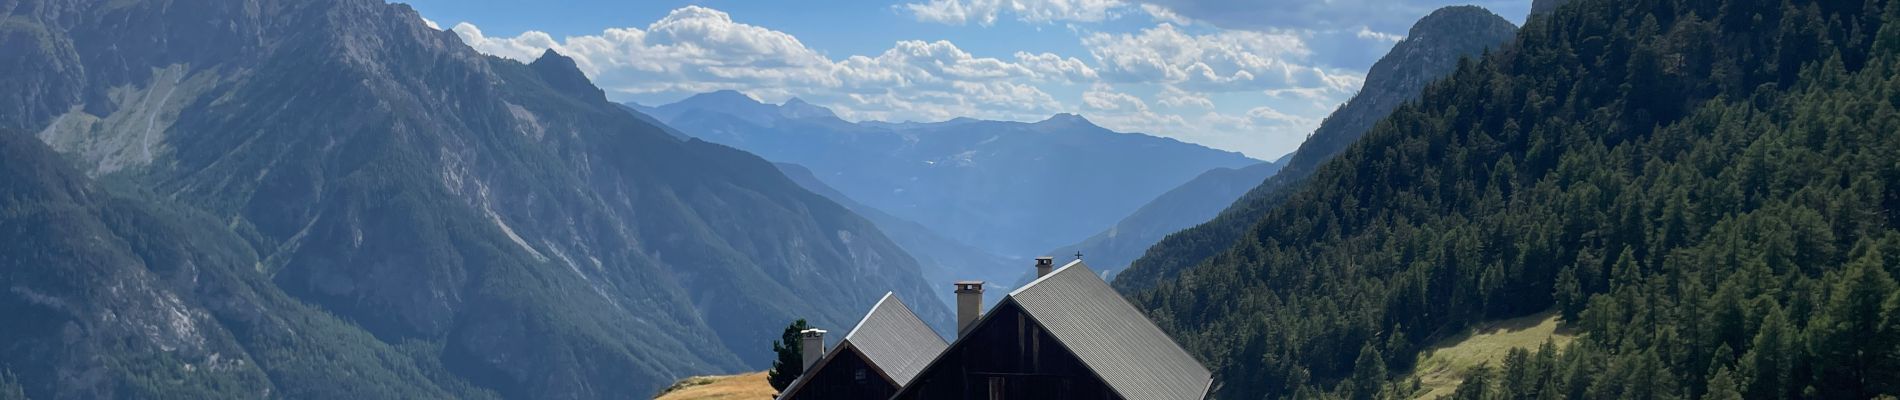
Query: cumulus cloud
x=985 y=12
x=1368 y=34
x=1219 y=61
x=1162 y=80
x=1102 y=97
x=1335 y=15
x=1163 y=14
x=1177 y=98
x=696 y=49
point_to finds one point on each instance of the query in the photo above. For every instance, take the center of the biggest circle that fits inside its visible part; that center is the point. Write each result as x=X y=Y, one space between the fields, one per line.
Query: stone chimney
x=969 y=305
x=1045 y=265
x=812 y=341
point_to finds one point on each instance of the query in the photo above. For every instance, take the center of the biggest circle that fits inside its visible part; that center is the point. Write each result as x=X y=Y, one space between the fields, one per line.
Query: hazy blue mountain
x=466 y=219
x=944 y=260
x=1431 y=50
x=1010 y=188
x=1192 y=203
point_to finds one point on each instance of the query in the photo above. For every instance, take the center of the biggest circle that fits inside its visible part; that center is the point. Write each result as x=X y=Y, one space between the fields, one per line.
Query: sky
x=1249 y=76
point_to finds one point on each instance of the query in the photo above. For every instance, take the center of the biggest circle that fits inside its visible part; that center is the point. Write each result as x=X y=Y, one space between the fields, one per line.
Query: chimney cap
x=1044 y=260
x=812 y=332
x=969 y=286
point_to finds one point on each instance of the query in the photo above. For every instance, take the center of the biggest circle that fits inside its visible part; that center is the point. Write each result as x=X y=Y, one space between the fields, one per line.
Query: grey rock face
x=473 y=226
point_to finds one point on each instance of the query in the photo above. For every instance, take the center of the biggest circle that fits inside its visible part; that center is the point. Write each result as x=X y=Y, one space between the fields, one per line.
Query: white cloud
x=696 y=49
x=1168 y=80
x=1164 y=14
x=1220 y=61
x=1368 y=34
x=985 y=12
x=431 y=24
x=1175 y=97
x=1101 y=97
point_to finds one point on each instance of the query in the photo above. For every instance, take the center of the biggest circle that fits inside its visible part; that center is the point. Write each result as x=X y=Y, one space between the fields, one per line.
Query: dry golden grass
x=730 y=387
x=1442 y=367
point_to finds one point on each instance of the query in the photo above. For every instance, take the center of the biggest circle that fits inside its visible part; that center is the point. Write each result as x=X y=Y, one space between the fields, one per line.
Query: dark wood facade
x=1007 y=356
x=846 y=376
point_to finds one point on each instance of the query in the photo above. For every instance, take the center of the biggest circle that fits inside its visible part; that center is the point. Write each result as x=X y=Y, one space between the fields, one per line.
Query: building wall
x=846 y=377
x=1008 y=357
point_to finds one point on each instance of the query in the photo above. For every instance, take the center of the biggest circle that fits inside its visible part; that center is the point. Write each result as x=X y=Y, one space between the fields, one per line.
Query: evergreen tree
x=1769 y=361
x=1477 y=385
x=1722 y=386
x=1850 y=341
x=791 y=356
x=1369 y=373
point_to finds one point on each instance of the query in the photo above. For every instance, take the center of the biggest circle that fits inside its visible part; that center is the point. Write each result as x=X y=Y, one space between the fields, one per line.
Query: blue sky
x=1249 y=76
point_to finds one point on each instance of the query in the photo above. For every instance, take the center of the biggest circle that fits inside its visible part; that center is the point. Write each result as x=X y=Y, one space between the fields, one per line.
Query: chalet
x=1065 y=335
x=879 y=356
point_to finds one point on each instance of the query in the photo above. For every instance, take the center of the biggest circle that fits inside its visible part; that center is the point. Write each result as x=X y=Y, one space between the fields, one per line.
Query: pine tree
x=1569 y=295
x=1849 y=340
x=1368 y=373
x=1477 y=385
x=1722 y=386
x=791 y=356
x=1768 y=363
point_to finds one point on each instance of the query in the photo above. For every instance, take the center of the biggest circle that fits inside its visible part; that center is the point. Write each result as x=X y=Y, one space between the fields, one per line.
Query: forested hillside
x=1706 y=189
x=1430 y=51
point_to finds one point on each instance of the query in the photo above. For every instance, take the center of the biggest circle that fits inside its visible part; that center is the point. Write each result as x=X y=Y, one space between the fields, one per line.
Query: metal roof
x=894 y=340
x=1111 y=336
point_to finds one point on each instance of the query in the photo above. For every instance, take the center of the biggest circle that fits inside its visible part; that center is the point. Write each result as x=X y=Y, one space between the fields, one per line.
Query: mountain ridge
x=497 y=219
x=1431 y=49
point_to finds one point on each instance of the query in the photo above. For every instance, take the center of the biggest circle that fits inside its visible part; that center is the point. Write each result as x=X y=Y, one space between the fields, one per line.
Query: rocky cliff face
x=1431 y=50
x=505 y=227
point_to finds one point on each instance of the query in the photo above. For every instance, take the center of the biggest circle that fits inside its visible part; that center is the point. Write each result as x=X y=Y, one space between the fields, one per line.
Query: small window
x=860 y=375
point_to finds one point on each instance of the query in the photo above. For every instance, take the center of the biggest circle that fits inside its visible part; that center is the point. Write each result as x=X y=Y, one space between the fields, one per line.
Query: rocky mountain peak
x=797 y=108
x=1067 y=120
x=563 y=74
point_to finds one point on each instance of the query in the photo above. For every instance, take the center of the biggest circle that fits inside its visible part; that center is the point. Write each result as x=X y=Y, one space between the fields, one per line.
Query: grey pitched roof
x=895 y=340
x=891 y=338
x=1112 y=337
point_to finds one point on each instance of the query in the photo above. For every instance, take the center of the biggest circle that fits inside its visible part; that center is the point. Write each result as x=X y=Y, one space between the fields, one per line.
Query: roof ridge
x=873 y=311
x=1065 y=267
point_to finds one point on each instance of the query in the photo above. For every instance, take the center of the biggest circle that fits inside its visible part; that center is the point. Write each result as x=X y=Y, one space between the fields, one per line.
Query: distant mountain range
x=1192 y=203
x=1010 y=189
x=942 y=259
x=1431 y=50
x=332 y=200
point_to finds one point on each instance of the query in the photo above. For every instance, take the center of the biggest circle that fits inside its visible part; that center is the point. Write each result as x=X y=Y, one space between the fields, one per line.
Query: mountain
x=1009 y=188
x=942 y=259
x=449 y=220
x=1542 y=7
x=1432 y=49
x=1193 y=202
x=115 y=295
x=1705 y=191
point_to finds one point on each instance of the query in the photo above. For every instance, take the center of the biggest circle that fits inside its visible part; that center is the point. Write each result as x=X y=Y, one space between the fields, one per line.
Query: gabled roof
x=1111 y=336
x=895 y=341
x=890 y=338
